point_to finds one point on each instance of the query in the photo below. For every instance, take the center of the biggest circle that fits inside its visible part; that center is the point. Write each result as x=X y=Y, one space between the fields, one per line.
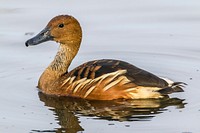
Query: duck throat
x=61 y=61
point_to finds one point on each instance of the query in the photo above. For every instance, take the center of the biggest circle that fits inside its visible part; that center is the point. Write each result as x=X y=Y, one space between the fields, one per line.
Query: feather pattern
x=111 y=79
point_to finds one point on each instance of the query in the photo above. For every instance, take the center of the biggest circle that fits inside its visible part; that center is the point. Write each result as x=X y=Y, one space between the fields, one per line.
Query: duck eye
x=61 y=25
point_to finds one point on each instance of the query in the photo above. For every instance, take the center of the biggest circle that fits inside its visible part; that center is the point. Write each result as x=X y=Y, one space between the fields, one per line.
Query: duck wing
x=97 y=68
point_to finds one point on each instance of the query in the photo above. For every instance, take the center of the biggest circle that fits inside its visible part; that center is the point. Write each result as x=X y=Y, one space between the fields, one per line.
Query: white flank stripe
x=110 y=85
x=89 y=91
x=130 y=89
x=77 y=87
x=112 y=75
x=65 y=81
x=71 y=80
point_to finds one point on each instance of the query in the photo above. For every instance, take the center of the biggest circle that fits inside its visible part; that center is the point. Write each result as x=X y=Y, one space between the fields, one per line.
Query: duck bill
x=43 y=36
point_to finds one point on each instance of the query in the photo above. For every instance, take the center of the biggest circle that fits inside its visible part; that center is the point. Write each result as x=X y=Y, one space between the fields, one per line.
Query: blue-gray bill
x=43 y=36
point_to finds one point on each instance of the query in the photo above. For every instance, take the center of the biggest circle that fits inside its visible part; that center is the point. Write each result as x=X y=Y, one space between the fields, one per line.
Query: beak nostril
x=43 y=33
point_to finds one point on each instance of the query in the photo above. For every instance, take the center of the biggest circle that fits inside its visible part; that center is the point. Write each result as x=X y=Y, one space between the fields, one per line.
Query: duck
x=103 y=79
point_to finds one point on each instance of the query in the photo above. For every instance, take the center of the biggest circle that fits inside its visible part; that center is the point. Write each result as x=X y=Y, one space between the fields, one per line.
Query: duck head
x=63 y=29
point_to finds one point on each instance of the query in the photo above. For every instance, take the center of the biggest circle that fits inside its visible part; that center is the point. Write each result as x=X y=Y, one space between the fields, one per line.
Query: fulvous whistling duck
x=104 y=79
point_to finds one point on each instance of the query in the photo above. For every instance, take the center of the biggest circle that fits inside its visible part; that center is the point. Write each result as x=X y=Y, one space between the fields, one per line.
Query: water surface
x=159 y=36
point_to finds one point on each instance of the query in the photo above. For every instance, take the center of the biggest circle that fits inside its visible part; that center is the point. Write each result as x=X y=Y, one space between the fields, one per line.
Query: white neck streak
x=62 y=60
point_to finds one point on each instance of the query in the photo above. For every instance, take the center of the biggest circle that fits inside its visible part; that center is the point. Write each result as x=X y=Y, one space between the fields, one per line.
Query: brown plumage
x=104 y=79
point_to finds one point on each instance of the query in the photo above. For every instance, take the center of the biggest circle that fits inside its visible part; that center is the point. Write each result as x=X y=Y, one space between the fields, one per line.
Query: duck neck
x=59 y=65
x=62 y=61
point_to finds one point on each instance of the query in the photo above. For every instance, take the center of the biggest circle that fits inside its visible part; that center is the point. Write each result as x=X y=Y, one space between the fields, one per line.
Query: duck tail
x=174 y=87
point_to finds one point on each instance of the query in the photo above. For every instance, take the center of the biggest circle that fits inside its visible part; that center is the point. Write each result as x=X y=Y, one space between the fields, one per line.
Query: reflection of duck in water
x=67 y=108
x=100 y=79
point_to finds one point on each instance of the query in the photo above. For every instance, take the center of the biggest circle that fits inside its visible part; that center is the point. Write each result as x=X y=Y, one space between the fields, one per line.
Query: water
x=159 y=36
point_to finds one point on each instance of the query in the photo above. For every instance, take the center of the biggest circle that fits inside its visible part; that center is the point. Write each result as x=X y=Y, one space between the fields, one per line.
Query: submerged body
x=105 y=79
